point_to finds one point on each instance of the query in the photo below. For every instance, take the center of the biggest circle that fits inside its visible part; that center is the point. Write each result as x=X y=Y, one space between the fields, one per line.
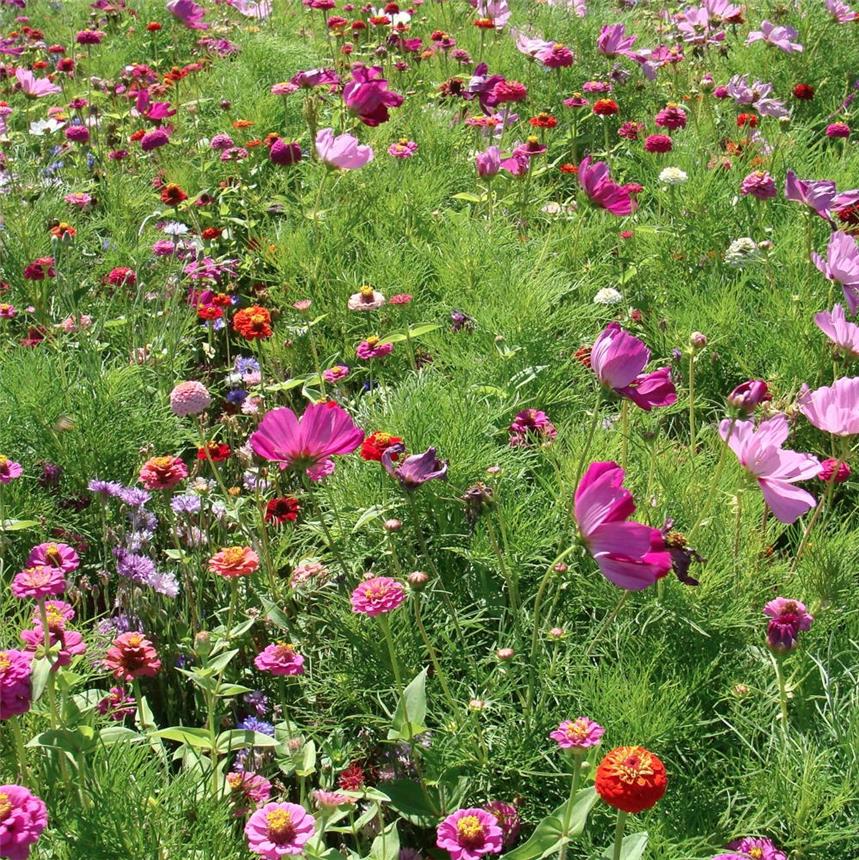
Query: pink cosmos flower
x=747 y=396
x=841 y=12
x=377 y=596
x=817 y=194
x=618 y=359
x=9 y=470
x=760 y=452
x=279 y=829
x=595 y=180
x=367 y=95
x=260 y=11
x=15 y=689
x=843 y=334
x=280 y=658
x=613 y=41
x=23 y=817
x=59 y=555
x=842 y=266
x=34 y=87
x=779 y=37
x=496 y=10
x=38 y=582
x=189 y=13
x=343 y=152
x=308 y=443
x=832 y=408
x=629 y=554
x=579 y=734
x=469 y=833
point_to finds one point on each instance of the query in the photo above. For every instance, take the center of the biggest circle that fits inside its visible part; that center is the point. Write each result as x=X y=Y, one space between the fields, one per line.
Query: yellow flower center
x=372 y=341
x=367 y=292
x=756 y=853
x=469 y=827
x=5 y=661
x=52 y=553
x=233 y=554
x=677 y=540
x=162 y=462
x=633 y=767
x=54 y=616
x=559 y=46
x=134 y=640
x=383 y=438
x=577 y=729
x=3 y=460
x=5 y=805
x=257 y=319
x=279 y=823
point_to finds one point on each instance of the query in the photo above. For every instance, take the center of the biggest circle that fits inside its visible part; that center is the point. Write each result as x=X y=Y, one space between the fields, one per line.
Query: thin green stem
x=714 y=483
x=20 y=750
x=433 y=656
x=618 y=835
x=692 y=433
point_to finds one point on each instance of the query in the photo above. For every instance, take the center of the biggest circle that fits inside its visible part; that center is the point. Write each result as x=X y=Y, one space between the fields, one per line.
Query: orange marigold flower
x=631 y=779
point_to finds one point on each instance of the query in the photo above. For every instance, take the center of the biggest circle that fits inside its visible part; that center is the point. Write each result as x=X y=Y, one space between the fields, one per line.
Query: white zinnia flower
x=673 y=176
x=607 y=296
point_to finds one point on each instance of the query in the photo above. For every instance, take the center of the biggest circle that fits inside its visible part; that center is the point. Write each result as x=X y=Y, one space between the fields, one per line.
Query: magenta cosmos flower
x=578 y=734
x=414 y=470
x=788 y=618
x=842 y=266
x=843 y=334
x=279 y=829
x=832 y=408
x=15 y=689
x=759 y=450
x=308 y=443
x=747 y=396
x=367 y=95
x=280 y=658
x=9 y=470
x=618 y=359
x=595 y=180
x=23 y=817
x=469 y=833
x=377 y=596
x=189 y=13
x=531 y=425
x=629 y=554
x=343 y=152
x=816 y=194
x=59 y=555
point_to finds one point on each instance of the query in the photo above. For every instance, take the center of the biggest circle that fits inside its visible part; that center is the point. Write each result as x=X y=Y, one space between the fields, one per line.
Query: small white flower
x=741 y=252
x=673 y=176
x=41 y=127
x=607 y=296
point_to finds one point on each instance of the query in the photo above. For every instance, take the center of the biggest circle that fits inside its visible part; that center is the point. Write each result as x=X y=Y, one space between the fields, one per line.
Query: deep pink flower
x=579 y=734
x=323 y=431
x=838 y=130
x=162 y=473
x=759 y=184
x=842 y=266
x=373 y=348
x=23 y=817
x=555 y=56
x=672 y=117
x=841 y=12
x=15 y=688
x=658 y=143
x=531 y=425
x=38 y=582
x=507 y=816
x=9 y=470
x=618 y=360
x=315 y=78
x=377 y=596
x=788 y=619
x=280 y=658
x=760 y=452
x=189 y=13
x=629 y=554
x=832 y=408
x=279 y=829
x=248 y=791
x=469 y=833
x=843 y=334
x=70 y=642
x=154 y=139
x=757 y=848
x=595 y=180
x=834 y=470
x=343 y=152
x=130 y=656
x=367 y=95
x=747 y=396
x=414 y=470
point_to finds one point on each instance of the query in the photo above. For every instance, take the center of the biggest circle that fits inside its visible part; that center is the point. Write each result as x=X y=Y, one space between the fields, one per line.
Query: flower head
x=595 y=180
x=15 y=688
x=841 y=266
x=631 y=779
x=843 y=334
x=162 y=473
x=9 y=470
x=747 y=396
x=132 y=656
x=788 y=618
x=234 y=561
x=189 y=398
x=531 y=425
x=579 y=734
x=280 y=658
x=469 y=833
x=508 y=820
x=23 y=817
x=279 y=829
x=377 y=596
x=414 y=470
x=833 y=408
x=343 y=152
x=38 y=582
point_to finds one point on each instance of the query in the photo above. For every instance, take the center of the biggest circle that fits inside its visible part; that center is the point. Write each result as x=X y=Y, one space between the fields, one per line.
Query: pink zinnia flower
x=248 y=791
x=672 y=117
x=658 y=143
x=23 y=817
x=189 y=398
x=595 y=180
x=838 y=130
x=843 y=334
x=469 y=833
x=308 y=443
x=132 y=656
x=58 y=555
x=280 y=658
x=629 y=554
x=234 y=561
x=70 y=643
x=38 y=582
x=789 y=618
x=842 y=266
x=618 y=359
x=377 y=596
x=832 y=408
x=9 y=470
x=335 y=374
x=372 y=347
x=579 y=734
x=366 y=299
x=759 y=184
x=154 y=139
x=15 y=688
x=531 y=425
x=343 y=152
x=279 y=829
x=759 y=450
x=162 y=473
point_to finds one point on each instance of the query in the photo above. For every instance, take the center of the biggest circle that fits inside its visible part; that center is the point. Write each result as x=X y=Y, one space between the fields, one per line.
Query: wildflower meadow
x=428 y=430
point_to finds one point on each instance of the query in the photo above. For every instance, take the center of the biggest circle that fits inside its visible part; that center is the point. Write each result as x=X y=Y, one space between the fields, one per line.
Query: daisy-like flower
x=579 y=734
x=9 y=470
x=373 y=348
x=279 y=829
x=15 y=688
x=469 y=833
x=162 y=473
x=23 y=817
x=132 y=656
x=377 y=596
x=280 y=659
x=38 y=582
x=234 y=561
x=58 y=555
x=631 y=779
x=366 y=299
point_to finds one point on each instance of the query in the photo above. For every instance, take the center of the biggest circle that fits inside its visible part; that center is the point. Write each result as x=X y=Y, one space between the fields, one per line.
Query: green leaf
x=274 y=614
x=219 y=663
x=549 y=835
x=308 y=760
x=18 y=525
x=407 y=797
x=632 y=847
x=39 y=677
x=469 y=198
x=186 y=735
x=75 y=742
x=236 y=739
x=372 y=513
x=422 y=329
x=386 y=846
x=411 y=710
x=118 y=734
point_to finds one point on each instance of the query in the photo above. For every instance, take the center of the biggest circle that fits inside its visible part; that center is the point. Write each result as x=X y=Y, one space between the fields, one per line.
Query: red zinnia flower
x=803 y=92
x=218 y=452
x=376 y=444
x=566 y=167
x=173 y=195
x=281 y=510
x=253 y=323
x=605 y=107
x=631 y=779
x=352 y=779
x=543 y=120
x=747 y=119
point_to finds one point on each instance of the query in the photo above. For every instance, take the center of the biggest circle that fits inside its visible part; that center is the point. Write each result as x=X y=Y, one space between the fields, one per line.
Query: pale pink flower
x=843 y=334
x=833 y=408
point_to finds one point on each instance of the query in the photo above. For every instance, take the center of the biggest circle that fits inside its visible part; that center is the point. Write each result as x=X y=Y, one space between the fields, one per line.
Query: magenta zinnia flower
x=469 y=833
x=833 y=408
x=842 y=266
x=759 y=450
x=629 y=554
x=15 y=689
x=343 y=152
x=323 y=431
x=9 y=470
x=508 y=820
x=531 y=425
x=59 y=555
x=595 y=180
x=23 y=817
x=280 y=658
x=367 y=95
x=789 y=618
x=377 y=596
x=579 y=734
x=279 y=829
x=618 y=359
x=38 y=582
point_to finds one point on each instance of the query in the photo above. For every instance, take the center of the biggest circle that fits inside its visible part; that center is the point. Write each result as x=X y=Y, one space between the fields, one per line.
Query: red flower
x=253 y=323
x=218 y=452
x=803 y=92
x=211 y=233
x=543 y=120
x=132 y=656
x=352 y=779
x=567 y=167
x=631 y=779
x=376 y=444
x=605 y=107
x=281 y=510
x=173 y=195
x=747 y=119
x=40 y=269
x=153 y=26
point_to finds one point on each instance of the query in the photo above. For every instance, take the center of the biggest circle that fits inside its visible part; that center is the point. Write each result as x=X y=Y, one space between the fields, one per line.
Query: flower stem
x=782 y=691
x=618 y=835
x=385 y=624
x=692 y=434
x=433 y=656
x=20 y=751
x=580 y=466
x=714 y=483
